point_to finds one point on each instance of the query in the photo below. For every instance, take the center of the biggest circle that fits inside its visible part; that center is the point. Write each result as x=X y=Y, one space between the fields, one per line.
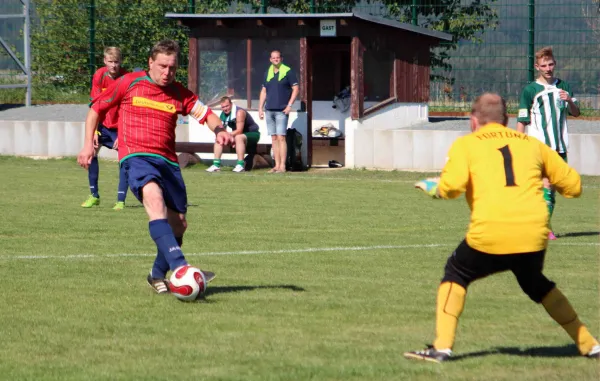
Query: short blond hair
x=545 y=52
x=112 y=52
x=490 y=108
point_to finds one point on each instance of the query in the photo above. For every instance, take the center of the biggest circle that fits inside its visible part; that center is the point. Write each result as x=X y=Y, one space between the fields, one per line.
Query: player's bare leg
x=216 y=165
x=276 y=156
x=240 y=150
x=282 y=153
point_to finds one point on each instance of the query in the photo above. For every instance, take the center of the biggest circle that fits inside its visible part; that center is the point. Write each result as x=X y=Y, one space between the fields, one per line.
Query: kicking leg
x=169 y=254
x=179 y=226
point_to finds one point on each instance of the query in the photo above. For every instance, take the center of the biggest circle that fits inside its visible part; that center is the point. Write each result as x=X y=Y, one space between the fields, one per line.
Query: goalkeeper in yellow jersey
x=490 y=164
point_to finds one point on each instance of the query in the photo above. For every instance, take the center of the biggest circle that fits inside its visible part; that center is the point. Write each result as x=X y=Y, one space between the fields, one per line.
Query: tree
x=464 y=20
x=60 y=40
x=591 y=14
x=59 y=44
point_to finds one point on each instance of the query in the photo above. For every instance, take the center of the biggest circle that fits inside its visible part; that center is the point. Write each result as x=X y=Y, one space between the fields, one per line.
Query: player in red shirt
x=106 y=134
x=149 y=103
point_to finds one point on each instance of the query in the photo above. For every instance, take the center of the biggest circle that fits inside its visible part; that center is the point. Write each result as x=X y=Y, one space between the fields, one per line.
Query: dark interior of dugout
x=381 y=61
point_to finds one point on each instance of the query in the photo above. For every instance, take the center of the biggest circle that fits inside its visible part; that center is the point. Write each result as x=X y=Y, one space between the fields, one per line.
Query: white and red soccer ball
x=187 y=283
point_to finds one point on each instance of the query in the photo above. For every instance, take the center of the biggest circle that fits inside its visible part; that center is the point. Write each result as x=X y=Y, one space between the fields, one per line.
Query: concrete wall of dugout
x=377 y=146
x=374 y=142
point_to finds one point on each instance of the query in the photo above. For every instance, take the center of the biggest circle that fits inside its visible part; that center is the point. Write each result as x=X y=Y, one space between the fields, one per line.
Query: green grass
x=324 y=275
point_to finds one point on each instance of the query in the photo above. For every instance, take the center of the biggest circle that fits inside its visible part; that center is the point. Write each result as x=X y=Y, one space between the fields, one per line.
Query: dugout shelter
x=383 y=65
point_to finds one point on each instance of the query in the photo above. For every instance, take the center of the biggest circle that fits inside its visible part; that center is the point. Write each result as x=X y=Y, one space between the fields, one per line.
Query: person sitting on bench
x=244 y=131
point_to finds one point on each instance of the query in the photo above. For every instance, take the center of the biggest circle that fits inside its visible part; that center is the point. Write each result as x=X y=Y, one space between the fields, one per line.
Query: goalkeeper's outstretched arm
x=455 y=175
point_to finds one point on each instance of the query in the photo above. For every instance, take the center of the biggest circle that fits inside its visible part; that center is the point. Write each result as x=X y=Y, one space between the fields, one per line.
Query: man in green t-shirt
x=543 y=107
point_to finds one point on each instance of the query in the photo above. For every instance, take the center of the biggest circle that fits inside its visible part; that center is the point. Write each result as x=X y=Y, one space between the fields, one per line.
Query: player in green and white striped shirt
x=544 y=106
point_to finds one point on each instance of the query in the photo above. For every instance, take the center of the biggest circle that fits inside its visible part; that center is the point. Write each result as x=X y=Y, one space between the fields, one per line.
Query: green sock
x=549 y=196
x=240 y=162
x=217 y=162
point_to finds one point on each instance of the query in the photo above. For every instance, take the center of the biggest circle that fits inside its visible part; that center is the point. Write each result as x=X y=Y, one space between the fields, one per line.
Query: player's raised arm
x=454 y=178
x=204 y=115
x=565 y=179
x=214 y=123
x=571 y=102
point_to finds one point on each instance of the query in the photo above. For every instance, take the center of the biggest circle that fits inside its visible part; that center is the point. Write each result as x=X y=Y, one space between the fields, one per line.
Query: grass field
x=323 y=275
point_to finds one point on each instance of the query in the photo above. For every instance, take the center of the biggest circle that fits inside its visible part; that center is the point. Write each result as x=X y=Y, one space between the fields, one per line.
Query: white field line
x=260 y=252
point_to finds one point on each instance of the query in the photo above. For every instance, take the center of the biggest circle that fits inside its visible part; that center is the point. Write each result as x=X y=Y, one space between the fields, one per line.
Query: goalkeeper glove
x=429 y=186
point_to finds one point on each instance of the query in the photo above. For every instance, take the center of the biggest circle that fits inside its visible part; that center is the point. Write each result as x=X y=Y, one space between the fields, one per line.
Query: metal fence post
x=192 y=6
x=415 y=14
x=263 y=6
x=312 y=6
x=531 y=43
x=92 y=19
x=27 y=51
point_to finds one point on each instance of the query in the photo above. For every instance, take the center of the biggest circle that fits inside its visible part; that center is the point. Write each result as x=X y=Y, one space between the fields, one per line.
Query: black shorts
x=466 y=265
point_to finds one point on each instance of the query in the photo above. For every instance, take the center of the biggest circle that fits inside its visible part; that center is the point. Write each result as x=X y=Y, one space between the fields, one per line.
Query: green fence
x=498 y=53
x=492 y=51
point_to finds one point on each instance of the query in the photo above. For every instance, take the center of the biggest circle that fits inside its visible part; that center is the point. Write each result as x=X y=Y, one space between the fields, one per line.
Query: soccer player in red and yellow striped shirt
x=501 y=172
x=148 y=104
x=107 y=127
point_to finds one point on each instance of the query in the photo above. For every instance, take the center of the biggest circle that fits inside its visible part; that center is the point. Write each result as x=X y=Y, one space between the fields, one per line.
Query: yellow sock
x=558 y=307
x=450 y=304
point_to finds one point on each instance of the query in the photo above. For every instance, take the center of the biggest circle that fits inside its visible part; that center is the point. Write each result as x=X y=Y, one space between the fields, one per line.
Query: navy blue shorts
x=140 y=170
x=107 y=136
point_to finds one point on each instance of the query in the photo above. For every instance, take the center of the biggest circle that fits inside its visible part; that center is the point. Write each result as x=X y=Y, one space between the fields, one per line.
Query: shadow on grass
x=569 y=350
x=577 y=234
x=436 y=119
x=213 y=290
x=142 y=205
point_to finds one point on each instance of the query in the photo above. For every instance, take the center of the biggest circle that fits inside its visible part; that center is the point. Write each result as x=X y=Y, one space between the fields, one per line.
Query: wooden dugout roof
x=409 y=44
x=281 y=21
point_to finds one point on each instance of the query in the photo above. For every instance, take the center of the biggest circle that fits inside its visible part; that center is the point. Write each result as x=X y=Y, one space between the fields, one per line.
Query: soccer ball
x=187 y=283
